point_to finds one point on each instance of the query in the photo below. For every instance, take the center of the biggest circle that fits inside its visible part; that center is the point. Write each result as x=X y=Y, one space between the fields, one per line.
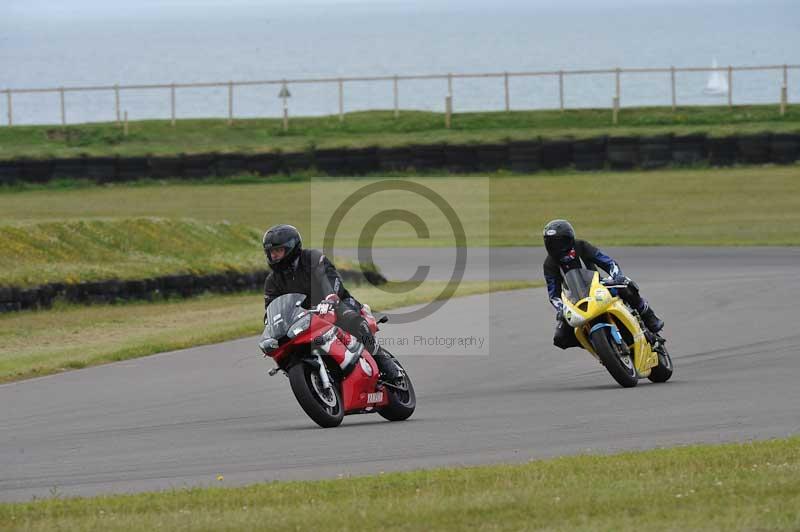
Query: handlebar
x=609 y=282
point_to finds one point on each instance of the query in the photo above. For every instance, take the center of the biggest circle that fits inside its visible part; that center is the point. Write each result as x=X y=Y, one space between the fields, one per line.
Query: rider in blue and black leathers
x=564 y=253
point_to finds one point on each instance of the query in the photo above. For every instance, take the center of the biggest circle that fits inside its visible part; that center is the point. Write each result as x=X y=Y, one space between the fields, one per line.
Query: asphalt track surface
x=180 y=419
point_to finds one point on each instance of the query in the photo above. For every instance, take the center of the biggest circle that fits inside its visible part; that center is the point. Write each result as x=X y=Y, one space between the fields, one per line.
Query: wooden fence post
x=341 y=100
x=396 y=91
x=785 y=90
x=63 y=107
x=730 y=86
x=116 y=104
x=508 y=99
x=561 y=88
x=448 y=106
x=284 y=95
x=172 y=104
x=674 y=98
x=230 y=103
x=10 y=108
x=784 y=97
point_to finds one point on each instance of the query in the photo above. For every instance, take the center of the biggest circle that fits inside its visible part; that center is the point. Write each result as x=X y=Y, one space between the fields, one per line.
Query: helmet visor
x=559 y=245
x=277 y=251
x=276 y=254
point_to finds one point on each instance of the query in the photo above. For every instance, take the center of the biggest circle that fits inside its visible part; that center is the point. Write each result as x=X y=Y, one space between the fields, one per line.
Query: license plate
x=376 y=397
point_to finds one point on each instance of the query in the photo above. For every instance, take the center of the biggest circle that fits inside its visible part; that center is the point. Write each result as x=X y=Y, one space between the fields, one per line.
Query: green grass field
x=750 y=486
x=71 y=337
x=380 y=128
x=96 y=249
x=733 y=206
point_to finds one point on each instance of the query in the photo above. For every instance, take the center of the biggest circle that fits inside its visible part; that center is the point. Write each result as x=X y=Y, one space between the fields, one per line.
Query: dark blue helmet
x=559 y=238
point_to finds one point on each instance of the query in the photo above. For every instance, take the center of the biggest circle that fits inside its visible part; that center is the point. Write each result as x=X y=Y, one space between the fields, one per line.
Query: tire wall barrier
x=169 y=286
x=590 y=154
x=616 y=153
x=623 y=153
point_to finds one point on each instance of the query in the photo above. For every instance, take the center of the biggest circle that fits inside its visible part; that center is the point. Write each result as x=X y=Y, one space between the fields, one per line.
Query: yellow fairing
x=600 y=301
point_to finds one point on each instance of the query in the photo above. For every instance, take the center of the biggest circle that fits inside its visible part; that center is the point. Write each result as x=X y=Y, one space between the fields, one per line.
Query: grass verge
x=76 y=251
x=131 y=248
x=726 y=206
x=750 y=486
x=33 y=344
x=380 y=128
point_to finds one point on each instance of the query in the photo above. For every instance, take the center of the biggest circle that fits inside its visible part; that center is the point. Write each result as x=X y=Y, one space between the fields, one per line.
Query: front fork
x=324 y=378
x=315 y=360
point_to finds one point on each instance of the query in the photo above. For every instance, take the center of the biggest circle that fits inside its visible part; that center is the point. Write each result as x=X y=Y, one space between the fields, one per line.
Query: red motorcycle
x=331 y=373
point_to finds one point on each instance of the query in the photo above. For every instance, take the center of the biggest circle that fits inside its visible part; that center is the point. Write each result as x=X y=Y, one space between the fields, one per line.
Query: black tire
x=663 y=371
x=401 y=402
x=301 y=379
x=612 y=358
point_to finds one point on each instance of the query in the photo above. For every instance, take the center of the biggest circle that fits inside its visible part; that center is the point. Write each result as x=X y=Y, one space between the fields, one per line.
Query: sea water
x=78 y=43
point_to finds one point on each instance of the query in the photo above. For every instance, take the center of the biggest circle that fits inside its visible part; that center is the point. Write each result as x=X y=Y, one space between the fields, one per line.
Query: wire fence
x=286 y=86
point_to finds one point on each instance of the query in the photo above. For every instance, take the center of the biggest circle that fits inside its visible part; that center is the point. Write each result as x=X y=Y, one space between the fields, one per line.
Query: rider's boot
x=653 y=322
x=389 y=370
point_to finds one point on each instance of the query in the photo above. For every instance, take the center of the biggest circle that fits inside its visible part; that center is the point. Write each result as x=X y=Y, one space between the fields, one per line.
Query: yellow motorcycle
x=612 y=332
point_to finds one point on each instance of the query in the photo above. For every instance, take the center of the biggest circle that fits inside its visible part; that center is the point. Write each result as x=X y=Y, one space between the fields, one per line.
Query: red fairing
x=373 y=325
x=360 y=389
x=319 y=325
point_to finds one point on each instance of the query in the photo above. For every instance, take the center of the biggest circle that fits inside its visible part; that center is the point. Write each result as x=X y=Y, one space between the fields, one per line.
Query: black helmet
x=559 y=238
x=282 y=236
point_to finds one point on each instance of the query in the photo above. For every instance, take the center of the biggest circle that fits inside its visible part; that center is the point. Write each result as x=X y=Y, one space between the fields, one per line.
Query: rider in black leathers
x=565 y=252
x=308 y=271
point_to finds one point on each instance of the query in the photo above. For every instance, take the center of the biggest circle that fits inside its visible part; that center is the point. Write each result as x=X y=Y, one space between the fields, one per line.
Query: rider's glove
x=615 y=279
x=328 y=304
x=559 y=306
x=267 y=345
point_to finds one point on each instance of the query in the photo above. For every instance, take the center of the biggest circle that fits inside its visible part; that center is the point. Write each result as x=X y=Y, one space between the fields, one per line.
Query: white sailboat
x=717 y=83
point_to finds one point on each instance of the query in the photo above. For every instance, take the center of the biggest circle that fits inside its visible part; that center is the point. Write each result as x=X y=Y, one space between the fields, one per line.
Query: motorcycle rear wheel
x=323 y=407
x=617 y=363
x=663 y=371
x=402 y=403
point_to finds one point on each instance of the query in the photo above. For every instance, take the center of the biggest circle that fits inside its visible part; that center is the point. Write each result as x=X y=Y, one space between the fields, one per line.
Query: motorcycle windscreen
x=282 y=313
x=578 y=283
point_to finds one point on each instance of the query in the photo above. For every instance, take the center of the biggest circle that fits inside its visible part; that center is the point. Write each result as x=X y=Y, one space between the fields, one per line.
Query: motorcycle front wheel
x=617 y=362
x=323 y=406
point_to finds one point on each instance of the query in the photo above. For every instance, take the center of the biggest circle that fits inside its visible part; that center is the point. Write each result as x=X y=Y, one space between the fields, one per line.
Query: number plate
x=376 y=397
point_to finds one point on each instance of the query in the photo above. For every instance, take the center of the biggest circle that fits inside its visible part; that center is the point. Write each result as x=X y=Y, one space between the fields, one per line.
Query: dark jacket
x=586 y=256
x=312 y=274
